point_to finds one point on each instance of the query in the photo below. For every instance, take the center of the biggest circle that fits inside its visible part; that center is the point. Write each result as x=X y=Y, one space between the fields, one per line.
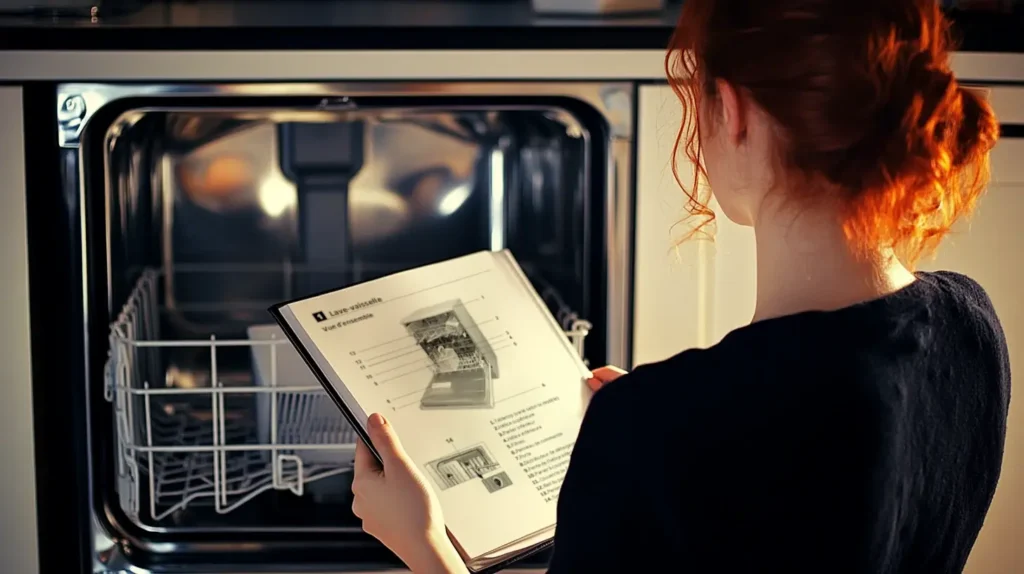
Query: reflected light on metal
x=453 y=200
x=497 y=220
x=276 y=196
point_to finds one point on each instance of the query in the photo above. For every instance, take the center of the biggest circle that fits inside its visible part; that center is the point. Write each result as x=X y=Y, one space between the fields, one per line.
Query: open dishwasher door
x=211 y=448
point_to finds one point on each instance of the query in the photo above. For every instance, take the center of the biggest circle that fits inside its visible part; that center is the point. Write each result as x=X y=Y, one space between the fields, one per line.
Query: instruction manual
x=484 y=389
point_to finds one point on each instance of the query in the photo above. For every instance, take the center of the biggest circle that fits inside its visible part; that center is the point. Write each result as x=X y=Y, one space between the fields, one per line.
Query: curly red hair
x=864 y=98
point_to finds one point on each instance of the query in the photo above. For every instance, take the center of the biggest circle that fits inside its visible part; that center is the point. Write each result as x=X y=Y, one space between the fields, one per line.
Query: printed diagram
x=474 y=463
x=463 y=362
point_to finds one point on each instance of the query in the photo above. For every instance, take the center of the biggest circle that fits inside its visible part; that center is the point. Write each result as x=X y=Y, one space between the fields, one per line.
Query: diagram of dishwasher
x=463 y=362
x=469 y=464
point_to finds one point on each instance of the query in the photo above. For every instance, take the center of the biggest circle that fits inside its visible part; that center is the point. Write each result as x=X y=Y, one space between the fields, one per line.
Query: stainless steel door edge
x=78 y=102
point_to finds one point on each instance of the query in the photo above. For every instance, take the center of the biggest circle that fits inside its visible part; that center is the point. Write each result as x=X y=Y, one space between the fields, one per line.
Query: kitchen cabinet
x=17 y=474
x=691 y=294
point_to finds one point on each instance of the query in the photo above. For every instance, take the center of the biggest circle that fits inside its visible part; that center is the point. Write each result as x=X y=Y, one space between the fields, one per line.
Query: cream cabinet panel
x=18 y=546
x=692 y=294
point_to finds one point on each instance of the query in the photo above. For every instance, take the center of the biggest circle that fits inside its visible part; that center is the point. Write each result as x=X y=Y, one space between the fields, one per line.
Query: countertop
x=381 y=25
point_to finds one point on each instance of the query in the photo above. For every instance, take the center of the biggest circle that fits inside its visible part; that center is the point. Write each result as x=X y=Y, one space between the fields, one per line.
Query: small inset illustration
x=497 y=482
x=474 y=463
x=463 y=362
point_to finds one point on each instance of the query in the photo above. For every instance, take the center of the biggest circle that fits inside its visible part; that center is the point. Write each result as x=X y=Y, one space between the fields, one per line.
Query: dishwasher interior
x=204 y=211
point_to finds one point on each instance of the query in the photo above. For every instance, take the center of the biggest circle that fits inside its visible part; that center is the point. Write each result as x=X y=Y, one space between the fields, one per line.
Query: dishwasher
x=194 y=207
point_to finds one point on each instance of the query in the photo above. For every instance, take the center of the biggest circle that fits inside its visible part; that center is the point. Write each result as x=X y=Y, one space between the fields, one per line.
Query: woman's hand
x=603 y=376
x=398 y=508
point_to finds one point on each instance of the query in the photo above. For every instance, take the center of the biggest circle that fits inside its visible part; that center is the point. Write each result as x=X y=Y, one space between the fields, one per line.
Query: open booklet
x=483 y=387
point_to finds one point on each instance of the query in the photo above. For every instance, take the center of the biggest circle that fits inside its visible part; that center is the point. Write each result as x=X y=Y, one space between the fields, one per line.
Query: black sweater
x=866 y=440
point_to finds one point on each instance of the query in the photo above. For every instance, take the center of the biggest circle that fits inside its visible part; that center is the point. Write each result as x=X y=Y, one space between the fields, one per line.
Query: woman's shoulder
x=669 y=373
x=963 y=305
x=651 y=405
x=663 y=389
x=959 y=288
x=699 y=372
x=967 y=310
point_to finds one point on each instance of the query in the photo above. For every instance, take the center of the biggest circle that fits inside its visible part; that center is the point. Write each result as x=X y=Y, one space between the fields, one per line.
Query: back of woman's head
x=863 y=100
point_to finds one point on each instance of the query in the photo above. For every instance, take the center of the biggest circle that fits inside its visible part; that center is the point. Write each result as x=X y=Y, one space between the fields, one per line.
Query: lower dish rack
x=215 y=422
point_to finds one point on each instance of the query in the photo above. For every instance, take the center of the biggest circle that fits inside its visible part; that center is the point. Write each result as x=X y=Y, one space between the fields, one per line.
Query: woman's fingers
x=608 y=373
x=364 y=462
x=385 y=440
x=603 y=376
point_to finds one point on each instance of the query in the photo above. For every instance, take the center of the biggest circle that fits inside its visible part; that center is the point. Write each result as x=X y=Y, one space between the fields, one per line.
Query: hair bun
x=979 y=128
x=926 y=127
x=909 y=142
x=930 y=164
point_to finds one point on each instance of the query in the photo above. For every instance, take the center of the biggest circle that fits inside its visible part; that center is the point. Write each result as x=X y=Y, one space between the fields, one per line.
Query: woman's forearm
x=438 y=556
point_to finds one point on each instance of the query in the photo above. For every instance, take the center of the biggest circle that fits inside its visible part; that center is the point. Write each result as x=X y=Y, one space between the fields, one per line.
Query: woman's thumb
x=384 y=439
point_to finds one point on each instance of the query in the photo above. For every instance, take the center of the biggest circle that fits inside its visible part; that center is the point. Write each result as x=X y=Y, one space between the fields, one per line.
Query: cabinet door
x=692 y=294
x=988 y=248
x=17 y=474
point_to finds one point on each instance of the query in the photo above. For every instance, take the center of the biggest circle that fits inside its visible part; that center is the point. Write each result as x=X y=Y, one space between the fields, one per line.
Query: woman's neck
x=805 y=264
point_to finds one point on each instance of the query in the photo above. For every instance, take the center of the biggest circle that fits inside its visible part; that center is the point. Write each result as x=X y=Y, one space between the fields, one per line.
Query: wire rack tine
x=276 y=470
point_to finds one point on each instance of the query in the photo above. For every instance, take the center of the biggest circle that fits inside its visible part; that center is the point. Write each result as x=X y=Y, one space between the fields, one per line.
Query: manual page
x=471 y=369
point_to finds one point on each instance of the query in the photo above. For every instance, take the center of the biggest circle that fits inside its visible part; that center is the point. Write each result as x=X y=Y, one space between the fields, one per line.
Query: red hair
x=864 y=99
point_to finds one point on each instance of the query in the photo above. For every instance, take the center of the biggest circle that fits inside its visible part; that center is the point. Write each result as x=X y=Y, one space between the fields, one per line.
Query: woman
x=857 y=424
